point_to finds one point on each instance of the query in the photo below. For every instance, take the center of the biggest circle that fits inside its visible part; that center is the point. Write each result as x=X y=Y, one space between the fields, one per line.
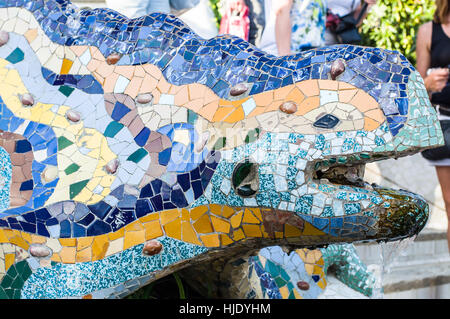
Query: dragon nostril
x=245 y=178
x=326 y=121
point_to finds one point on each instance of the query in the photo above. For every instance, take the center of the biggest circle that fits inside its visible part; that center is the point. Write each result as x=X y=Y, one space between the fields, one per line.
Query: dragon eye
x=326 y=121
x=245 y=178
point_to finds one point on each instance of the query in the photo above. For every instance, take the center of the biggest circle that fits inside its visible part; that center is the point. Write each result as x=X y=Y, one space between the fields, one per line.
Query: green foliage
x=393 y=25
x=169 y=287
x=180 y=285
x=215 y=6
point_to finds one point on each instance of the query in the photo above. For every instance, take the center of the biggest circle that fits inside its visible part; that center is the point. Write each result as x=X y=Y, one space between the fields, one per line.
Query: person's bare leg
x=443 y=173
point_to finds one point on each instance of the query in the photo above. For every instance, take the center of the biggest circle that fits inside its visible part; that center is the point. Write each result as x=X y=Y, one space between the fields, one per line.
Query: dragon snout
x=403 y=215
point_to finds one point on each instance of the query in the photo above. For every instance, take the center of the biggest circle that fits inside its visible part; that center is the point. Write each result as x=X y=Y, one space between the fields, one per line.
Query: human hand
x=436 y=80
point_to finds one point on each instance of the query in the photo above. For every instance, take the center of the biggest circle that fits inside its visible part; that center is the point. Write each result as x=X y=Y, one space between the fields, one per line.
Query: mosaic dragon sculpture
x=133 y=148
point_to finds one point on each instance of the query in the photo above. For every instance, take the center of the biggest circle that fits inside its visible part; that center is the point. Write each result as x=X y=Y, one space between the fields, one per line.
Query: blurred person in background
x=197 y=14
x=138 y=8
x=342 y=8
x=433 y=62
x=292 y=26
x=253 y=10
x=257 y=20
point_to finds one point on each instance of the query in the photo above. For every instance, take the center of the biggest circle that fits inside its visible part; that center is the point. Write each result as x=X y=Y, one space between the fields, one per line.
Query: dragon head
x=295 y=159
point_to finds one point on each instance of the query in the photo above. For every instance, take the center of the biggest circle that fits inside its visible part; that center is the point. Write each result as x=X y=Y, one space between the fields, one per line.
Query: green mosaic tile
x=113 y=128
x=63 y=143
x=66 y=90
x=7 y=280
x=137 y=156
x=252 y=136
x=192 y=117
x=220 y=143
x=3 y=294
x=16 y=56
x=72 y=168
x=23 y=269
x=76 y=188
x=280 y=282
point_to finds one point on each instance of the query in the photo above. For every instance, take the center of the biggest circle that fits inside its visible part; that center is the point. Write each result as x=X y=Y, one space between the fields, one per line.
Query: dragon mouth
x=342 y=175
x=400 y=214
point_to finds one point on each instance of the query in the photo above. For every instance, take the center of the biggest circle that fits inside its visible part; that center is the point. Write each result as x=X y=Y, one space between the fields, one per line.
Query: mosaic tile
x=142 y=131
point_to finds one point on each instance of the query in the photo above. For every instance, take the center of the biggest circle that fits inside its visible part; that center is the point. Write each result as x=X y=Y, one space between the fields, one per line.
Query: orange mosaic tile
x=84 y=255
x=84 y=242
x=225 y=240
x=309 y=88
x=9 y=260
x=188 y=234
x=169 y=215
x=249 y=218
x=308 y=104
x=291 y=231
x=364 y=102
x=67 y=255
x=210 y=240
x=203 y=225
x=295 y=95
x=252 y=230
x=346 y=96
x=173 y=229
x=31 y=34
x=236 y=219
x=220 y=225
x=328 y=85
x=235 y=116
x=133 y=238
x=198 y=211
x=153 y=229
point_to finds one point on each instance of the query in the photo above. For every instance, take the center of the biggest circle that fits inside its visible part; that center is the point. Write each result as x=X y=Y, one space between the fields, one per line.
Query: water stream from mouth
x=389 y=252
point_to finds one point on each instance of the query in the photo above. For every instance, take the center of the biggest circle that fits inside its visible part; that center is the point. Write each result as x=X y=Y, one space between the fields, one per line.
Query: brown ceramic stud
x=337 y=68
x=112 y=166
x=4 y=38
x=238 y=89
x=113 y=58
x=144 y=98
x=73 y=116
x=303 y=285
x=152 y=247
x=288 y=107
x=27 y=99
x=40 y=251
